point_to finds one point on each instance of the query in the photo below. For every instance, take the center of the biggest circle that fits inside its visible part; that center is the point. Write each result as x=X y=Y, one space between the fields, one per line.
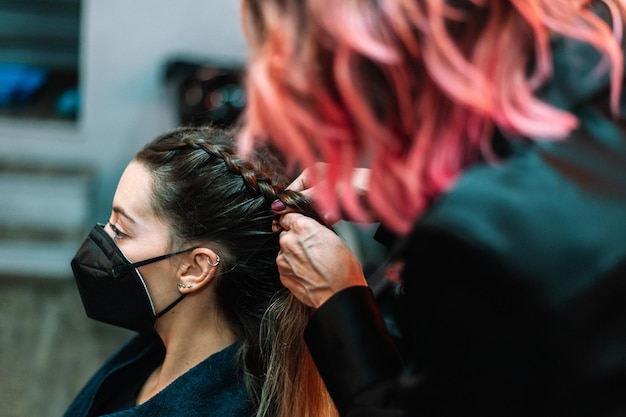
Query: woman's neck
x=190 y=336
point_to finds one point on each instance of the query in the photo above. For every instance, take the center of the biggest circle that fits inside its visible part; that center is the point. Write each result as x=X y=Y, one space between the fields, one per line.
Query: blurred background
x=83 y=85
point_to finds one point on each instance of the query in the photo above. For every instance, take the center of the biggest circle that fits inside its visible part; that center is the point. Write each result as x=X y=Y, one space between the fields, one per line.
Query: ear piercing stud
x=181 y=285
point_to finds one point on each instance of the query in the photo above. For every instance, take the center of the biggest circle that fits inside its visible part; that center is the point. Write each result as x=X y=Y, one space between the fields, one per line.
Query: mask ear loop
x=171 y=306
x=118 y=269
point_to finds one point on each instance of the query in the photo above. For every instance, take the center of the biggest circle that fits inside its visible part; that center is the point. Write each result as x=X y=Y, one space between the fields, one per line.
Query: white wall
x=124 y=45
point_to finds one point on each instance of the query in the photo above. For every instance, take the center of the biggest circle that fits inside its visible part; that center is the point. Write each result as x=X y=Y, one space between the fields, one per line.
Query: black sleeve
x=350 y=345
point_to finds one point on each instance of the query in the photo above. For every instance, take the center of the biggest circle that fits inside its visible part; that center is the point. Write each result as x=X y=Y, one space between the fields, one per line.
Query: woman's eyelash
x=118 y=233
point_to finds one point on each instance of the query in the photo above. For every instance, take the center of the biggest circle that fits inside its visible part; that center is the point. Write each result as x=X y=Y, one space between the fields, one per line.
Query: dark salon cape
x=211 y=388
x=513 y=298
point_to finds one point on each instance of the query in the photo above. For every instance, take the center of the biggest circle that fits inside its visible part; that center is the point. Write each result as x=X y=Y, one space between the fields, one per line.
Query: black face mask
x=111 y=288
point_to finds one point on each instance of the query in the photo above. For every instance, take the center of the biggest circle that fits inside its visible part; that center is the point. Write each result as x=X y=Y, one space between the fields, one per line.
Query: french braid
x=258 y=181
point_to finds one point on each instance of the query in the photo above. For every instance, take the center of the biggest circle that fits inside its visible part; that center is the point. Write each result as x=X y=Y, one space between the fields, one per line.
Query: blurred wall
x=60 y=175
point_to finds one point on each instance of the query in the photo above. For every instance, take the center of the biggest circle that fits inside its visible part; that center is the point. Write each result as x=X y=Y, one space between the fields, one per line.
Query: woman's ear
x=197 y=270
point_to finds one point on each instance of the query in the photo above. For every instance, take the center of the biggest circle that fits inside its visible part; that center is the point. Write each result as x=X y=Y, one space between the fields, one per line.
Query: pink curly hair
x=412 y=88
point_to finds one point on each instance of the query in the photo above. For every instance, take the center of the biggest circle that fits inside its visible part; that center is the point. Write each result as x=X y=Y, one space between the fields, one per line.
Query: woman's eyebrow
x=121 y=212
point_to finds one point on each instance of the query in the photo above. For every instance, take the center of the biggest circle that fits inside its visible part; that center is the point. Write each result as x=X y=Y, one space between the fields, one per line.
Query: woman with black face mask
x=187 y=259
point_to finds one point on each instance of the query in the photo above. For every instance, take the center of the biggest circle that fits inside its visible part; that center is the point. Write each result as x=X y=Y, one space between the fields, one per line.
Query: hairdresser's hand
x=314 y=263
x=304 y=184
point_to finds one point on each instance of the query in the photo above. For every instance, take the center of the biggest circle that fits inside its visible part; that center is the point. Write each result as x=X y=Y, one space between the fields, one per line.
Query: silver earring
x=181 y=285
x=217 y=260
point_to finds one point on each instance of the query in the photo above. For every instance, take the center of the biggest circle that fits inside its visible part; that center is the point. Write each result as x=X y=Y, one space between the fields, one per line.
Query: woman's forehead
x=134 y=194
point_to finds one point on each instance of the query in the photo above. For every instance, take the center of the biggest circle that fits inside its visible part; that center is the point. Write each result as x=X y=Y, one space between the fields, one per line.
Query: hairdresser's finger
x=305 y=180
x=300 y=183
x=287 y=276
x=276 y=226
x=295 y=221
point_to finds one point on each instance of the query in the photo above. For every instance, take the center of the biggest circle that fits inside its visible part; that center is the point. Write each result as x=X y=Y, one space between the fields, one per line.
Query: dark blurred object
x=18 y=82
x=206 y=92
x=40 y=59
x=68 y=103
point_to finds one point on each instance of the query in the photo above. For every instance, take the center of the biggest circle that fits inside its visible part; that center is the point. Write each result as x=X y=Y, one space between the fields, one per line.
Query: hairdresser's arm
x=346 y=336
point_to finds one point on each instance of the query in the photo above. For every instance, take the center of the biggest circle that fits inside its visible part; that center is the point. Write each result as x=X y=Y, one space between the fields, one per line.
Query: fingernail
x=278 y=205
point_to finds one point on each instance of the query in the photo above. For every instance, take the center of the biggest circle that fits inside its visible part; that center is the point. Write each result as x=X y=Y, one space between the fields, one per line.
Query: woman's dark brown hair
x=206 y=193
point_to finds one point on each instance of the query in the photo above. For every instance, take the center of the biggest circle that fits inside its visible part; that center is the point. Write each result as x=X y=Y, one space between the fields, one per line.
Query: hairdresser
x=495 y=142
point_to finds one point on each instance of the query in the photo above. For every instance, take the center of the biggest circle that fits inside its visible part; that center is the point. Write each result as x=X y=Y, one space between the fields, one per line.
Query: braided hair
x=207 y=193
